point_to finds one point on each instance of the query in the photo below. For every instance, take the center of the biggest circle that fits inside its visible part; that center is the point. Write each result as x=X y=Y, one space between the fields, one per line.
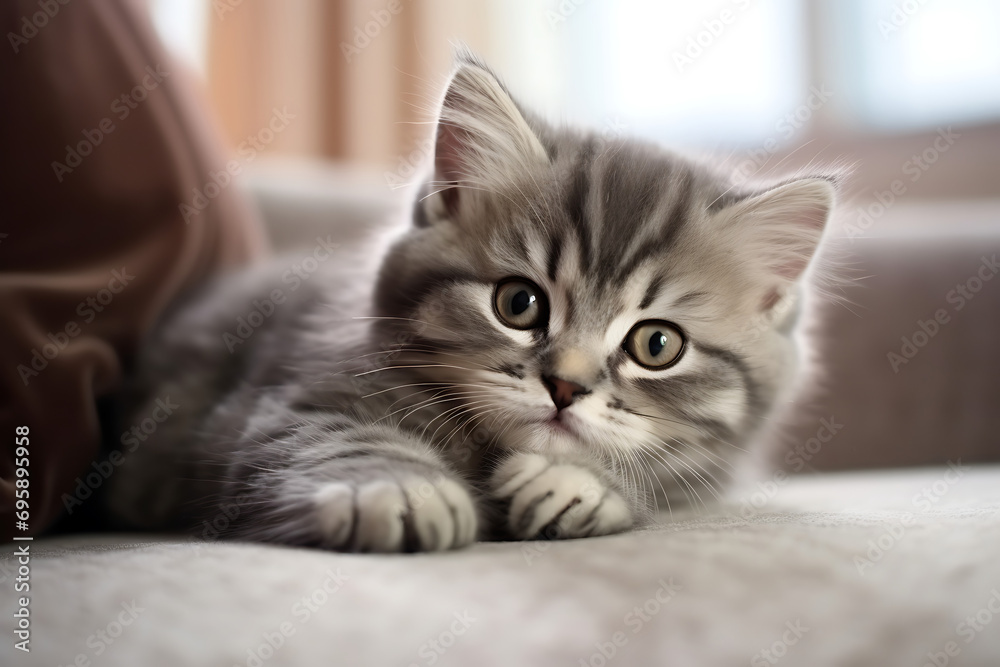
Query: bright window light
x=183 y=26
x=704 y=74
x=922 y=63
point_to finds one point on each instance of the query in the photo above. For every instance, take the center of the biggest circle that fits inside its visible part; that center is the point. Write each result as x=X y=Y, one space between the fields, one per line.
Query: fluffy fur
x=410 y=416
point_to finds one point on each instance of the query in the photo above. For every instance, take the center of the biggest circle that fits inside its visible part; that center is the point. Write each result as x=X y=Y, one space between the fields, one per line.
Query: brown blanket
x=105 y=143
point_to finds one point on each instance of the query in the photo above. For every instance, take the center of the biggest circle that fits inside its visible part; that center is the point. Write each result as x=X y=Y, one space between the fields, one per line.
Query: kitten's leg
x=354 y=488
x=548 y=497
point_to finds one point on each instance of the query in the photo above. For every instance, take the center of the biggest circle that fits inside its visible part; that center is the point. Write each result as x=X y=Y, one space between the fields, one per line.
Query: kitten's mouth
x=560 y=424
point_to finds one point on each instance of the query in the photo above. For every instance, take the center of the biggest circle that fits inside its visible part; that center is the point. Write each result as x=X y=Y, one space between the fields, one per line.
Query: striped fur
x=431 y=423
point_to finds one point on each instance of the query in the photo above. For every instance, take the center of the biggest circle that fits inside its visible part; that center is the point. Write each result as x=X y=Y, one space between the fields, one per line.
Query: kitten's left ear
x=780 y=228
x=482 y=137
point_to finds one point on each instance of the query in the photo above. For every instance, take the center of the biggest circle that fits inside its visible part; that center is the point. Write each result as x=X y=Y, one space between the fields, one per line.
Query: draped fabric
x=105 y=142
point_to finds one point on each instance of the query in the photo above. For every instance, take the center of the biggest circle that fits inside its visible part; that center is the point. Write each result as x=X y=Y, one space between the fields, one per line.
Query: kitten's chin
x=547 y=436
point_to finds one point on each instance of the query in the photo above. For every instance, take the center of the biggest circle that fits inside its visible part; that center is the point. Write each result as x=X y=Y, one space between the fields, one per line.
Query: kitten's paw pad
x=557 y=500
x=385 y=516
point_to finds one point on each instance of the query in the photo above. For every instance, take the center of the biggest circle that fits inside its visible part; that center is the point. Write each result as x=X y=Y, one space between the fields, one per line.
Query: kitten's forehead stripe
x=628 y=192
x=522 y=243
x=576 y=201
x=681 y=192
x=651 y=292
x=690 y=298
x=555 y=252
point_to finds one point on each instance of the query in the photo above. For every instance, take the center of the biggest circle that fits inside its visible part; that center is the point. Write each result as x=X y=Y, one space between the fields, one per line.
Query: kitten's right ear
x=483 y=141
x=778 y=230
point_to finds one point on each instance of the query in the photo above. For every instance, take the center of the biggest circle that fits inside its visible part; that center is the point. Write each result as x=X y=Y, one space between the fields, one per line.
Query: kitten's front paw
x=559 y=500
x=388 y=516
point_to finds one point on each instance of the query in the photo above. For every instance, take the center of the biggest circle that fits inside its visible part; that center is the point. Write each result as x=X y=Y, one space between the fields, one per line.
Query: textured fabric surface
x=879 y=568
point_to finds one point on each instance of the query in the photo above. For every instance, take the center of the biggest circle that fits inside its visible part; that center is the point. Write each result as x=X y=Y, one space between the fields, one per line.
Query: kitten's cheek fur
x=387 y=517
x=557 y=500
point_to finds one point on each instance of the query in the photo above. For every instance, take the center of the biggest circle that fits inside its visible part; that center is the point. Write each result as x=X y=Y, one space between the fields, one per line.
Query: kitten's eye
x=654 y=344
x=521 y=304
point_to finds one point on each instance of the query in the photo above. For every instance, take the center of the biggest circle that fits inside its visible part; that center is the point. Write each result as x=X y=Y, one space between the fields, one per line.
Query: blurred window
x=916 y=64
x=706 y=74
x=716 y=74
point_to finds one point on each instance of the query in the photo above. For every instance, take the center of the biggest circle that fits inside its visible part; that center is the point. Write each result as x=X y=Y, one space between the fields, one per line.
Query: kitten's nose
x=563 y=392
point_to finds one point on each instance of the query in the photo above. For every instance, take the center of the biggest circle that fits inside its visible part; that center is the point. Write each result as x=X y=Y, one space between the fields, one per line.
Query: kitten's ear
x=780 y=229
x=482 y=137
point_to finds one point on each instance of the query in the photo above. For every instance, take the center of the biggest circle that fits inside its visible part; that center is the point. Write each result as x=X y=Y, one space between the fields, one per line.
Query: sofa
x=868 y=536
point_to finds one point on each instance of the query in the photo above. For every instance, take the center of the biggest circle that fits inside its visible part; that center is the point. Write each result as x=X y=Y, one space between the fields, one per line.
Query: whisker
x=697 y=469
x=388 y=368
x=650 y=450
x=685 y=485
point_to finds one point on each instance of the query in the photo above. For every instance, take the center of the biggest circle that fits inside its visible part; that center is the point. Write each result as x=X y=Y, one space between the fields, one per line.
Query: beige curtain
x=361 y=77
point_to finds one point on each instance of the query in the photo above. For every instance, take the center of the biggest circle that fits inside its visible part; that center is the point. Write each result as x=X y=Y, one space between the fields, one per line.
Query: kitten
x=573 y=332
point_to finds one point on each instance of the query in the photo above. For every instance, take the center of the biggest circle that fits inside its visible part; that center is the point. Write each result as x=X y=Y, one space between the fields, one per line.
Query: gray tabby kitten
x=573 y=331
